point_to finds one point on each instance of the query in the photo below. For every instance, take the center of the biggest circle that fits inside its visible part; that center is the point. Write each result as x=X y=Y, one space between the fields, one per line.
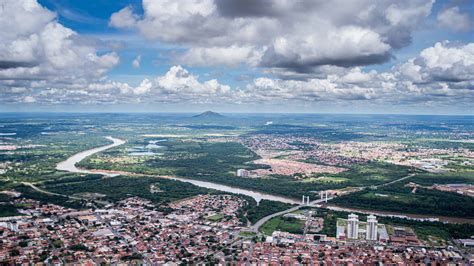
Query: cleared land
x=280 y=223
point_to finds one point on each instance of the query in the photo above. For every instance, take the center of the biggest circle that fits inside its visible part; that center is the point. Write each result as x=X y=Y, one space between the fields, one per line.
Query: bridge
x=260 y=222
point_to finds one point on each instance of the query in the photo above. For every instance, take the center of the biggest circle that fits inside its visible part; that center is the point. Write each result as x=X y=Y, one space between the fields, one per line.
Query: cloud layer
x=307 y=52
x=37 y=51
x=294 y=35
x=425 y=79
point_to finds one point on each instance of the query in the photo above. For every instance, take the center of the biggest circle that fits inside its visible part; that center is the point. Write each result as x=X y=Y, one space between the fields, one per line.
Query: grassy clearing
x=215 y=217
x=280 y=223
x=325 y=179
x=247 y=234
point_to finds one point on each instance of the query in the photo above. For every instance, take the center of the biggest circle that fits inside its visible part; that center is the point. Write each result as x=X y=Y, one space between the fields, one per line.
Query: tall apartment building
x=371 y=232
x=353 y=226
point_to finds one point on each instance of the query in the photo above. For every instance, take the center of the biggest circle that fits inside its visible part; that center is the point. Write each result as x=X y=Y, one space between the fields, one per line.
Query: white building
x=353 y=226
x=371 y=232
x=243 y=173
x=469 y=242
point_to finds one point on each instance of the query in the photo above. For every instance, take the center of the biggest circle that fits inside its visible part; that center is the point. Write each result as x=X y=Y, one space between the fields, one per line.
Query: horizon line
x=224 y=112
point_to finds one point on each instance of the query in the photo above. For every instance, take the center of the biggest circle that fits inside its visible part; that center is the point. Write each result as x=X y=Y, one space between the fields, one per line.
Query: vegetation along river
x=69 y=165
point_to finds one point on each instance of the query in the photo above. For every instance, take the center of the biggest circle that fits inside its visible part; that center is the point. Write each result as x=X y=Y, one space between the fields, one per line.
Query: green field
x=373 y=174
x=326 y=179
x=215 y=217
x=280 y=223
x=247 y=234
x=399 y=198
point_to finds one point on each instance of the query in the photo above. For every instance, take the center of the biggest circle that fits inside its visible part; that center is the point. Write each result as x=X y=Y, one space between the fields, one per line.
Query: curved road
x=395 y=181
x=263 y=220
x=34 y=187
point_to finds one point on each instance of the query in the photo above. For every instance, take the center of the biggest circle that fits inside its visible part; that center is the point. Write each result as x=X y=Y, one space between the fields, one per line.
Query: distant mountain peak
x=209 y=114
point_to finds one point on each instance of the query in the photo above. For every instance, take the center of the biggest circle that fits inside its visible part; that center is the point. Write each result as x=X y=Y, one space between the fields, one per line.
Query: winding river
x=69 y=165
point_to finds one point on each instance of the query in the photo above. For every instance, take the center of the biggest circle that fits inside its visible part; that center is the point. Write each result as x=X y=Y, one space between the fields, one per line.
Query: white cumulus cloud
x=36 y=49
x=454 y=19
x=294 y=35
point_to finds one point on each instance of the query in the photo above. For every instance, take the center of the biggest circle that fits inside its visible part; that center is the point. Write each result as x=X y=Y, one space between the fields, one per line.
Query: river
x=69 y=165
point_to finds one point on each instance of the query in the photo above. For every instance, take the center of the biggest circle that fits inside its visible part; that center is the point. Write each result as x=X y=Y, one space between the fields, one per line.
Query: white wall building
x=353 y=226
x=243 y=173
x=371 y=232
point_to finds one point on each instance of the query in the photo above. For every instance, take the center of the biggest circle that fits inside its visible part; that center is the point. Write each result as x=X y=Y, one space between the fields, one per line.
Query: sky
x=272 y=56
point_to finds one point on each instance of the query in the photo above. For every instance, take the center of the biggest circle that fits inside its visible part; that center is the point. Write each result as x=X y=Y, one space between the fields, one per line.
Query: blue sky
x=91 y=17
x=264 y=56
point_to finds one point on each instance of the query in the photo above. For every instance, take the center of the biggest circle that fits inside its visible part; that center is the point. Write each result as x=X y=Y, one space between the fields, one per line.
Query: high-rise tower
x=371 y=232
x=353 y=226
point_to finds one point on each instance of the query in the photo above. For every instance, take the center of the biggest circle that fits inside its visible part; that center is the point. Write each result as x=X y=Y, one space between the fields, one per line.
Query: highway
x=394 y=181
x=33 y=186
x=260 y=222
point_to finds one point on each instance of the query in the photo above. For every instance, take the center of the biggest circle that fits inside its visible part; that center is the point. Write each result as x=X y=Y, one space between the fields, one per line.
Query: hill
x=209 y=114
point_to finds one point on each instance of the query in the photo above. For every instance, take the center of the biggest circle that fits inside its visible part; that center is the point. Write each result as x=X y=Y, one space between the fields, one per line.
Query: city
x=201 y=229
x=236 y=132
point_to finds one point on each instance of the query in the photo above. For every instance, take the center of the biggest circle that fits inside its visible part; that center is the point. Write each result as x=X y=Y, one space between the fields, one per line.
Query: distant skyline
x=237 y=56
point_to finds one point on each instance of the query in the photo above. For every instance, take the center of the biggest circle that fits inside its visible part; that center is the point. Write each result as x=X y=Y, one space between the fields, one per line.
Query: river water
x=69 y=165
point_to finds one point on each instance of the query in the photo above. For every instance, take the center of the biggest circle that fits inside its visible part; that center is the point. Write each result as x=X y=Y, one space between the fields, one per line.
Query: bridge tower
x=305 y=200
